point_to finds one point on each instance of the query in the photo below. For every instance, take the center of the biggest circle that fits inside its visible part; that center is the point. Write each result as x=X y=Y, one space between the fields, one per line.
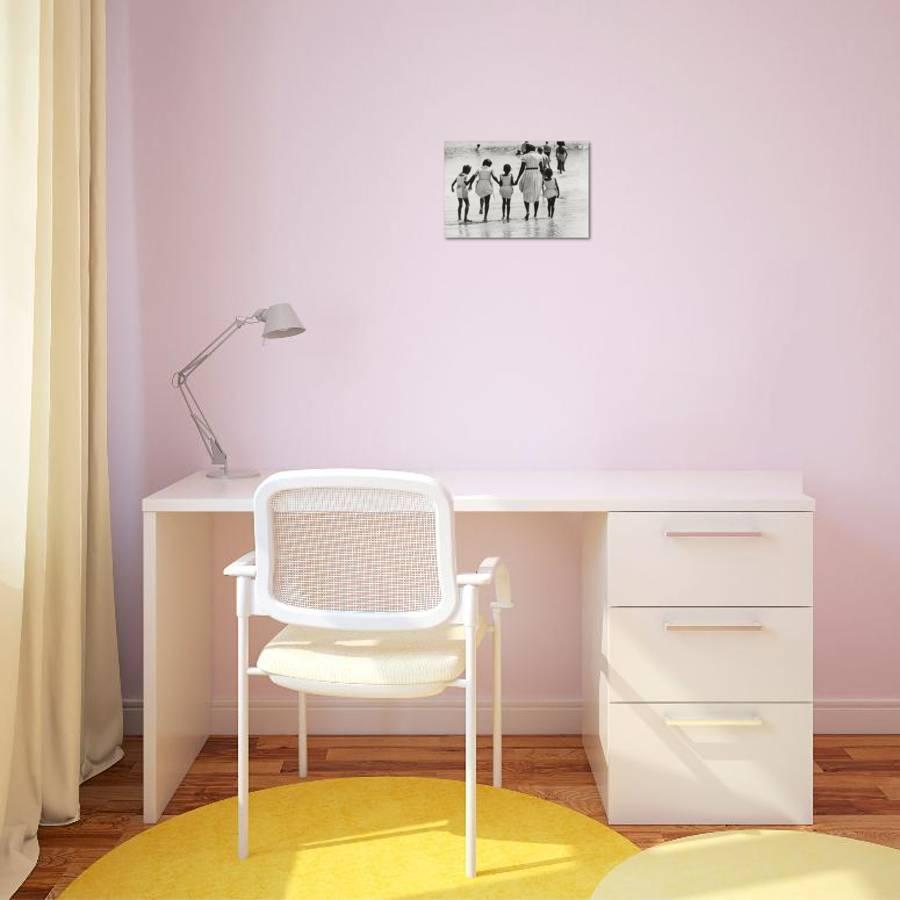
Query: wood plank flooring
x=857 y=786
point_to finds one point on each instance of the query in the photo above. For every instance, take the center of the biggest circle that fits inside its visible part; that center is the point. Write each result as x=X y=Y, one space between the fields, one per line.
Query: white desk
x=178 y=578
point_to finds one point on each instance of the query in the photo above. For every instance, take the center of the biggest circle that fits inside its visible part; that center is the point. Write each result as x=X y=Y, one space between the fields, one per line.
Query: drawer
x=709 y=559
x=710 y=764
x=711 y=654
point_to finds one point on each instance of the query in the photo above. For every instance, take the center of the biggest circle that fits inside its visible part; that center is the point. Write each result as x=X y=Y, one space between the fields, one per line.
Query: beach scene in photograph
x=517 y=189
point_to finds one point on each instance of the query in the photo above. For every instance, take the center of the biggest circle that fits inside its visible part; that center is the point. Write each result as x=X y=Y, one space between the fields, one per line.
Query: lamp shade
x=281 y=321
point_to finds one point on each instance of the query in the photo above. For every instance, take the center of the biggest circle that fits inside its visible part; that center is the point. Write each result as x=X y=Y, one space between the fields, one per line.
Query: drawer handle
x=751 y=722
x=712 y=534
x=735 y=626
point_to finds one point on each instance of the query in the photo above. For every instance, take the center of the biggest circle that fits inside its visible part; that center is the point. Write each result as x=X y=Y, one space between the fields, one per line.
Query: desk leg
x=177 y=588
x=594 y=650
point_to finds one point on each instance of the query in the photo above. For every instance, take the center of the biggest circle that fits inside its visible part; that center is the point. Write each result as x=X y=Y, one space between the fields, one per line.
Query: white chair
x=360 y=565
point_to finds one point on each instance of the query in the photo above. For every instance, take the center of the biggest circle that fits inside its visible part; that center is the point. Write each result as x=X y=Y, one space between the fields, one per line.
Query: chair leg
x=471 y=738
x=302 y=757
x=497 y=741
x=243 y=738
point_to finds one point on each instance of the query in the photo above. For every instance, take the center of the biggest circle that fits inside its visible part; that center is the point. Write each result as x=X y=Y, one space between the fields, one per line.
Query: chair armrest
x=491 y=571
x=245 y=566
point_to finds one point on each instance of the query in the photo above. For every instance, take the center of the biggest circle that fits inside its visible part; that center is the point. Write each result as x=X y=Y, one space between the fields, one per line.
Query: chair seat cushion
x=334 y=656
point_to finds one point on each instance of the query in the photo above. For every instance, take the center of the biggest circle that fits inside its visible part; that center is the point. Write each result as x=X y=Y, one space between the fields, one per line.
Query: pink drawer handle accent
x=711 y=534
x=735 y=626
x=752 y=722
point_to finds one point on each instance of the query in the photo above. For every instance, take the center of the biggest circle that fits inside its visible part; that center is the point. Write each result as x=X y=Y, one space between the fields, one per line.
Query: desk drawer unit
x=702 y=663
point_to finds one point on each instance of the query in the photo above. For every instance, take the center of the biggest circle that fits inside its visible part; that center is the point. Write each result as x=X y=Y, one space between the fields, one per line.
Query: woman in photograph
x=529 y=179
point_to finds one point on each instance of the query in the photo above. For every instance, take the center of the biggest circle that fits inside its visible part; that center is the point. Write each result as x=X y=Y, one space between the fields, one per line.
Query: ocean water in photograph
x=571 y=216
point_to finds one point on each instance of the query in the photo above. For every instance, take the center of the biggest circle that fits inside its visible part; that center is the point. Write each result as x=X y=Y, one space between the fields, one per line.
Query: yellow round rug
x=757 y=865
x=363 y=837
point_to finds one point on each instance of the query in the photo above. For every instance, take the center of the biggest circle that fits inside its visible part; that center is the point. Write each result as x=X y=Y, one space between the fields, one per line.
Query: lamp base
x=223 y=472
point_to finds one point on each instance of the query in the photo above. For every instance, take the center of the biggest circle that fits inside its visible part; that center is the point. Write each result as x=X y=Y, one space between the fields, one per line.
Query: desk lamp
x=279 y=321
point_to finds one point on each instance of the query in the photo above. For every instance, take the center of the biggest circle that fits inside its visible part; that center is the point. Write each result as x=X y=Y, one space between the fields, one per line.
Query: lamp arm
x=217 y=455
x=211 y=348
x=180 y=380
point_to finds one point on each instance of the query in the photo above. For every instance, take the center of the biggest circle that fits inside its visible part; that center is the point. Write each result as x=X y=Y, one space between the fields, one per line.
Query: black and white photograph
x=517 y=189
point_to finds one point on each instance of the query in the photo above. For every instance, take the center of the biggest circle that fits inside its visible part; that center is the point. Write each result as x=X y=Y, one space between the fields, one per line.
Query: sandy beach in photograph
x=572 y=216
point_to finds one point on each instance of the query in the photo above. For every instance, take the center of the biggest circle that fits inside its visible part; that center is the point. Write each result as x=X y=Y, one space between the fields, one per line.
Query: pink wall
x=737 y=305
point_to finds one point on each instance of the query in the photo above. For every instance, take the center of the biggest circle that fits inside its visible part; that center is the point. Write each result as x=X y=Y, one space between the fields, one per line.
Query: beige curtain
x=60 y=703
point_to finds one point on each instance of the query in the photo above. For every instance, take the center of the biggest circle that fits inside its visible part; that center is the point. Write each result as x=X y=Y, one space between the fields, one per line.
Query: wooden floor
x=857 y=787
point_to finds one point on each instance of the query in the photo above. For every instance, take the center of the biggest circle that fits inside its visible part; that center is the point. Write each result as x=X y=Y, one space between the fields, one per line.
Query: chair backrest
x=354 y=549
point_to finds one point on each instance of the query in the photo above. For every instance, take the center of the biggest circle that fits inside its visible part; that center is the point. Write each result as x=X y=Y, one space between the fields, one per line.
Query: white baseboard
x=333 y=716
x=857 y=716
x=133 y=716
x=444 y=716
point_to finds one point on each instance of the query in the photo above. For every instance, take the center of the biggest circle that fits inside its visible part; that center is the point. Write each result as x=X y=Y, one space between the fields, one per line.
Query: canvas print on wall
x=516 y=189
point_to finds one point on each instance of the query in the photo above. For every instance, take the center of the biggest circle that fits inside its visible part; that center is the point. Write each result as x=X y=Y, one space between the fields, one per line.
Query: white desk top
x=546 y=491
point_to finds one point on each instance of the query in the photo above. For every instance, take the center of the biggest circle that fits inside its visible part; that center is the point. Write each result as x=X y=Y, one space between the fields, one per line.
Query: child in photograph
x=551 y=190
x=561 y=155
x=461 y=185
x=507 y=183
x=484 y=188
